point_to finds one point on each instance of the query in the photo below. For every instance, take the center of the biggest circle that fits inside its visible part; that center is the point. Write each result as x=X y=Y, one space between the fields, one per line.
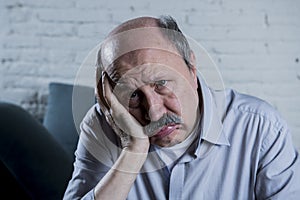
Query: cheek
x=186 y=101
x=139 y=115
x=172 y=103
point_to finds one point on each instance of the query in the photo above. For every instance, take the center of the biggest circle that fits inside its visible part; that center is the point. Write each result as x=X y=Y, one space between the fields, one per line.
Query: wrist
x=138 y=145
x=130 y=161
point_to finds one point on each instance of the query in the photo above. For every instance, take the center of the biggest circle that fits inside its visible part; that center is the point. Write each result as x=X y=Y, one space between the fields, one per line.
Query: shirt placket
x=176 y=182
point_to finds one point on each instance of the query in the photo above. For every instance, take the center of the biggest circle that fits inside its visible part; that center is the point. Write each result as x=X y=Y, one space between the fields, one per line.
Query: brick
x=61 y=56
x=94 y=30
x=71 y=15
x=256 y=62
x=90 y=4
x=19 y=41
x=37 y=56
x=234 y=47
x=20 y=14
x=67 y=43
x=49 y=4
x=224 y=18
x=261 y=76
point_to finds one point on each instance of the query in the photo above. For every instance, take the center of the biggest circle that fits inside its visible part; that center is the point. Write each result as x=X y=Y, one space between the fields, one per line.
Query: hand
x=123 y=123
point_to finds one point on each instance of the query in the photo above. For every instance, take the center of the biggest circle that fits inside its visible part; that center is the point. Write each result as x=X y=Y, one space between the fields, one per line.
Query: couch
x=37 y=157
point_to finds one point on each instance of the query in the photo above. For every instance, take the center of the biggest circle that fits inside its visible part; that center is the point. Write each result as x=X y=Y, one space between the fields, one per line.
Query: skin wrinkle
x=147 y=74
x=142 y=77
x=141 y=68
x=121 y=65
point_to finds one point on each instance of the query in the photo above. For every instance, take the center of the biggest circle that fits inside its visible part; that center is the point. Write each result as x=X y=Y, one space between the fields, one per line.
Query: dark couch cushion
x=59 y=117
x=31 y=159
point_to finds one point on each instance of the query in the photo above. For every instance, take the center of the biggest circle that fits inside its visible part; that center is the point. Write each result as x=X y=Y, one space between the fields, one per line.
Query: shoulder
x=94 y=123
x=244 y=104
x=254 y=121
x=97 y=136
x=91 y=114
x=252 y=117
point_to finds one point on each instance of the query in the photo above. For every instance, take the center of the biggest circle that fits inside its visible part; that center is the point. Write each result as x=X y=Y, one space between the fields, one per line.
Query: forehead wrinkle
x=142 y=65
x=142 y=56
x=138 y=77
x=117 y=69
x=147 y=73
x=134 y=78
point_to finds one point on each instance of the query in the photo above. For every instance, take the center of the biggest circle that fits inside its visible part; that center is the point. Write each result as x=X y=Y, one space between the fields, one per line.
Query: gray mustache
x=166 y=119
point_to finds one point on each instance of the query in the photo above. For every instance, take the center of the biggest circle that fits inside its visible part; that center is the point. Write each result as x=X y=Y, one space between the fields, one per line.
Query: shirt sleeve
x=96 y=152
x=278 y=174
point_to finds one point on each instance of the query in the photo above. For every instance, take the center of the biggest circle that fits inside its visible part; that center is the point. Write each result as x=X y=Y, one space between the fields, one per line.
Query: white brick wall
x=254 y=43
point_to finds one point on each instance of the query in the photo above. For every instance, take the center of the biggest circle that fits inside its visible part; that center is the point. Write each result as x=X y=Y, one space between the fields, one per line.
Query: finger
x=100 y=98
x=103 y=89
x=115 y=108
x=109 y=96
x=120 y=115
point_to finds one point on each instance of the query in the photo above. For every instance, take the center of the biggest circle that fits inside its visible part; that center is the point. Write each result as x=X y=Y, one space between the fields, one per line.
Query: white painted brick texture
x=255 y=44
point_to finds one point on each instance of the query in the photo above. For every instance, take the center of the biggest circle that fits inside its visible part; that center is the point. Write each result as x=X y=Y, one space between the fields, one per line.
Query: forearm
x=117 y=182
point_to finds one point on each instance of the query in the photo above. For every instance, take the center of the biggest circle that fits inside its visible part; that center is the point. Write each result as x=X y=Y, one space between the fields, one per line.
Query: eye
x=134 y=95
x=161 y=84
x=134 y=100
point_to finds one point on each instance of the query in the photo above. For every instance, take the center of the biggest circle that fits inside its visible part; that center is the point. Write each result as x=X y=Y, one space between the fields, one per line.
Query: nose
x=154 y=104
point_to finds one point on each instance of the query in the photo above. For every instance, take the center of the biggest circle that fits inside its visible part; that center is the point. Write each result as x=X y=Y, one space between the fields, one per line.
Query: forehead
x=147 y=65
x=132 y=40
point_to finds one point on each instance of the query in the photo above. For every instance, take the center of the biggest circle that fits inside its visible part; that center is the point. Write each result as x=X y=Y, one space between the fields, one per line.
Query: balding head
x=139 y=22
x=143 y=33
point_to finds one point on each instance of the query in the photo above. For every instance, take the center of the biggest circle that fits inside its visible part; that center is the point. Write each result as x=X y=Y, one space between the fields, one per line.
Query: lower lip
x=165 y=131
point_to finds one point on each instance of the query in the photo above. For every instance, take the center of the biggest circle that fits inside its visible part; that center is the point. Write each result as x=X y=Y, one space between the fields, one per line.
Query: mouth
x=166 y=130
x=164 y=126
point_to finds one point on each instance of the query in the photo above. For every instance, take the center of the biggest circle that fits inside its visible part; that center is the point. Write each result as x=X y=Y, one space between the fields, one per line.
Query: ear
x=193 y=69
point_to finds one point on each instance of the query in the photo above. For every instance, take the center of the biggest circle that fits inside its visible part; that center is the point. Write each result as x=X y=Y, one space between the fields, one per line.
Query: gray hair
x=176 y=36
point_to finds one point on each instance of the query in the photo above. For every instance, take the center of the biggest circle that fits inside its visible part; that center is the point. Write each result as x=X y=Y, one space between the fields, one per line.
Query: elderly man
x=159 y=132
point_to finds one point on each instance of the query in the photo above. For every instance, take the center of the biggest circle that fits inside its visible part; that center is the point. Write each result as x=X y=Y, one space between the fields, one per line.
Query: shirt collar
x=212 y=113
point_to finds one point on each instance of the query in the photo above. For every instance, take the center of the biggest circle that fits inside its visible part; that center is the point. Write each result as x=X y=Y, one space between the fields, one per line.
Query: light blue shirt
x=243 y=151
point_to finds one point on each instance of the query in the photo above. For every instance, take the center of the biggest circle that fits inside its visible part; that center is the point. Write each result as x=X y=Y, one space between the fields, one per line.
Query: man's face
x=153 y=84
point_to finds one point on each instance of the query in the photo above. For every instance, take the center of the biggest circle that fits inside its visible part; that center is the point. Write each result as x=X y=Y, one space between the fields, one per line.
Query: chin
x=167 y=141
